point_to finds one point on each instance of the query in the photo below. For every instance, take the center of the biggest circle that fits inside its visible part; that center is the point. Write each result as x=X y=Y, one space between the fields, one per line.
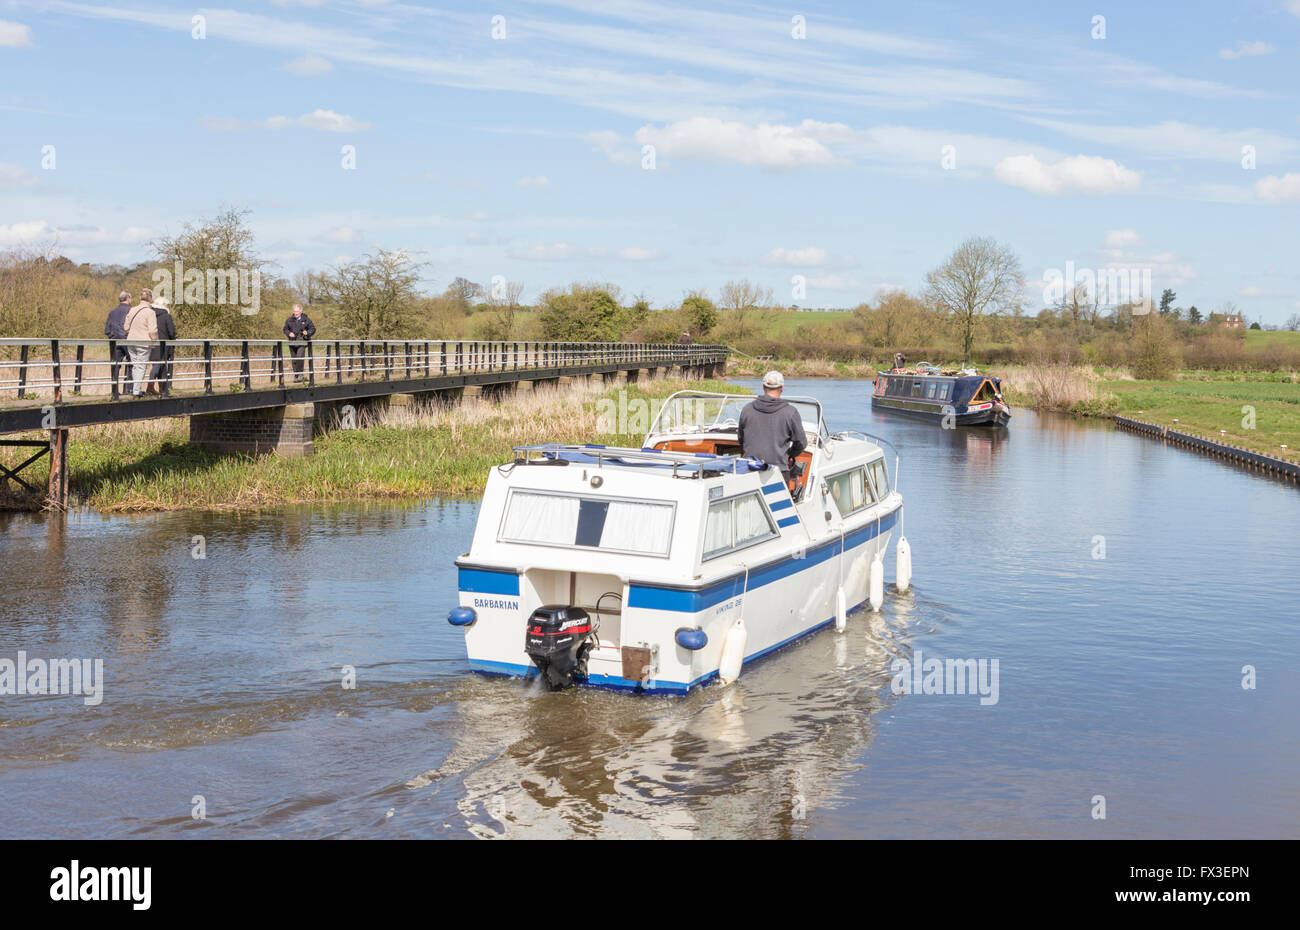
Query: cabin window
x=735 y=523
x=850 y=490
x=932 y=390
x=879 y=478
x=943 y=390
x=643 y=527
x=917 y=385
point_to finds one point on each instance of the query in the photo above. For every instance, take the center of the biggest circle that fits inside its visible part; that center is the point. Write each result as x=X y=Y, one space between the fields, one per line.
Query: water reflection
x=757 y=758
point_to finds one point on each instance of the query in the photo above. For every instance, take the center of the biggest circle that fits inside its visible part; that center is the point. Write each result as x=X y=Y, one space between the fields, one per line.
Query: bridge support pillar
x=471 y=391
x=524 y=387
x=286 y=430
x=57 y=498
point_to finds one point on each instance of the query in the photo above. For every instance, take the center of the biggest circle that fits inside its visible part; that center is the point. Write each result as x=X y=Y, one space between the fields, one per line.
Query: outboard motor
x=558 y=640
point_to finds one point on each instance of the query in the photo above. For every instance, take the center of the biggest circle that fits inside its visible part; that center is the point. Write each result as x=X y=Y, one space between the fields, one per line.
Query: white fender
x=733 y=652
x=841 y=610
x=877 y=584
x=903 y=565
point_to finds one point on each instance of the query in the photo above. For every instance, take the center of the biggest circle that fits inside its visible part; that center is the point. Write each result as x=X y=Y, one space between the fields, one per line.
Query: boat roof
x=675 y=464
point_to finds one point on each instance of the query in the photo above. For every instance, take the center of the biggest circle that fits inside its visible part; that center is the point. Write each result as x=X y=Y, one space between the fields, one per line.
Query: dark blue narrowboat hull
x=991 y=417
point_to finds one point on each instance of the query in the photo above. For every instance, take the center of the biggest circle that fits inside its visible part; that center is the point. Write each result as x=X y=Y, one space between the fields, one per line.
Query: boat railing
x=697 y=462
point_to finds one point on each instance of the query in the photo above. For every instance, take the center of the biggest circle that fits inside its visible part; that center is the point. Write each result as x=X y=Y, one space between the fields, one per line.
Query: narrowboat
x=960 y=398
x=660 y=568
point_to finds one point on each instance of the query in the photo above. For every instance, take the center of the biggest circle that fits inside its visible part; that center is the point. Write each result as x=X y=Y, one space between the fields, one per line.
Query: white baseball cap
x=773 y=379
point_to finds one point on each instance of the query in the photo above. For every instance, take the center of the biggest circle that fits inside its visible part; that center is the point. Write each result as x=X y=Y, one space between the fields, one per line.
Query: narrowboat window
x=590 y=523
x=735 y=523
x=932 y=390
x=917 y=384
x=879 y=478
x=850 y=490
x=944 y=390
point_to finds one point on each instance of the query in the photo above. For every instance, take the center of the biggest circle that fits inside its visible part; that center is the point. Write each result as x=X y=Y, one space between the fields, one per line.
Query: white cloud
x=1285 y=189
x=14 y=35
x=1086 y=174
x=309 y=66
x=766 y=144
x=340 y=235
x=635 y=254
x=808 y=257
x=812 y=255
x=540 y=181
x=326 y=120
x=42 y=232
x=13 y=177
x=556 y=252
x=1244 y=49
x=834 y=282
x=1172 y=139
x=1122 y=238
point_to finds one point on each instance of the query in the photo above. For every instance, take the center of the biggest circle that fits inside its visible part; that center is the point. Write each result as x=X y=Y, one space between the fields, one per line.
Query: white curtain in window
x=717 y=528
x=541 y=518
x=636 y=526
x=751 y=519
x=857 y=489
x=880 y=478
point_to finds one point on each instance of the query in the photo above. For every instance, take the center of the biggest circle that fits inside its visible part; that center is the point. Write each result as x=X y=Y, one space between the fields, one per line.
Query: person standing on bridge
x=114 y=328
x=770 y=429
x=141 y=326
x=299 y=329
x=162 y=356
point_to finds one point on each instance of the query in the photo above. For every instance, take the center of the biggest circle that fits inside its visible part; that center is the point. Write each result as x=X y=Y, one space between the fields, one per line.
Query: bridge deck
x=82 y=380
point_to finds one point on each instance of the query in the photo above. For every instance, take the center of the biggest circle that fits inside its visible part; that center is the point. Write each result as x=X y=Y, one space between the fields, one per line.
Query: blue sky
x=523 y=155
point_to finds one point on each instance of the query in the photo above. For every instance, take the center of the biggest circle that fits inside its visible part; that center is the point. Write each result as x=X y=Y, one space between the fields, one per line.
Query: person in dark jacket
x=115 y=328
x=298 y=329
x=771 y=429
x=160 y=376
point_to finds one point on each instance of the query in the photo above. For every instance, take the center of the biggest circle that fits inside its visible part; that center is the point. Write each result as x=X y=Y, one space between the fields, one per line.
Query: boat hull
x=934 y=413
x=780 y=602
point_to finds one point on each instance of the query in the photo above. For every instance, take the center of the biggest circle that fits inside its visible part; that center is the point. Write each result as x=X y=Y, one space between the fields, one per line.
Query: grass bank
x=1257 y=410
x=436 y=450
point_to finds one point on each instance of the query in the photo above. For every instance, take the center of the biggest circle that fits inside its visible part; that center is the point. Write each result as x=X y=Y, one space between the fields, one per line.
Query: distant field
x=1258 y=339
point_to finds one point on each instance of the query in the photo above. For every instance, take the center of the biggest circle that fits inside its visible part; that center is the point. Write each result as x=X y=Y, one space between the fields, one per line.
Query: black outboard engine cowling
x=558 y=639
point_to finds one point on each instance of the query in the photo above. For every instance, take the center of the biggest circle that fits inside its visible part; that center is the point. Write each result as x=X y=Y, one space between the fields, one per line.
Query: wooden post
x=58 y=371
x=58 y=487
x=76 y=378
x=207 y=367
x=22 y=371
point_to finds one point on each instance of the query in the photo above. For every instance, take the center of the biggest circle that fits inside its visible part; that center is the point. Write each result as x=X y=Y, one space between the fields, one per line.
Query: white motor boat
x=661 y=568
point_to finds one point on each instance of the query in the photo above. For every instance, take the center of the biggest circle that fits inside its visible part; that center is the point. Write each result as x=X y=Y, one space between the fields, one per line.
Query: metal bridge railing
x=44 y=369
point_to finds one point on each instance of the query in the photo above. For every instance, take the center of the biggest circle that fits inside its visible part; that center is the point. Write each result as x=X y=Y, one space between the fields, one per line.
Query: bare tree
x=505 y=304
x=34 y=300
x=1293 y=322
x=742 y=298
x=980 y=277
x=374 y=294
x=307 y=285
x=218 y=262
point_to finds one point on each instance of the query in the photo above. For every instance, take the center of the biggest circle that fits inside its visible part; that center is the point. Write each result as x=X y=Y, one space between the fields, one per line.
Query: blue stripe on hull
x=614 y=683
x=481 y=581
x=684 y=601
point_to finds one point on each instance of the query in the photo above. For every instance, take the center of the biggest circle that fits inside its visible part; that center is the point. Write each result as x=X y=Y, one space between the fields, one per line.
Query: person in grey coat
x=771 y=429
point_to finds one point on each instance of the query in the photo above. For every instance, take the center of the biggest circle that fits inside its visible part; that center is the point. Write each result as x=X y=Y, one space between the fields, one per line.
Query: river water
x=1119 y=677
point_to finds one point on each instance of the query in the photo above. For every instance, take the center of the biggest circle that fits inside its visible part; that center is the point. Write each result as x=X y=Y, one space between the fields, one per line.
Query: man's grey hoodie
x=772 y=430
